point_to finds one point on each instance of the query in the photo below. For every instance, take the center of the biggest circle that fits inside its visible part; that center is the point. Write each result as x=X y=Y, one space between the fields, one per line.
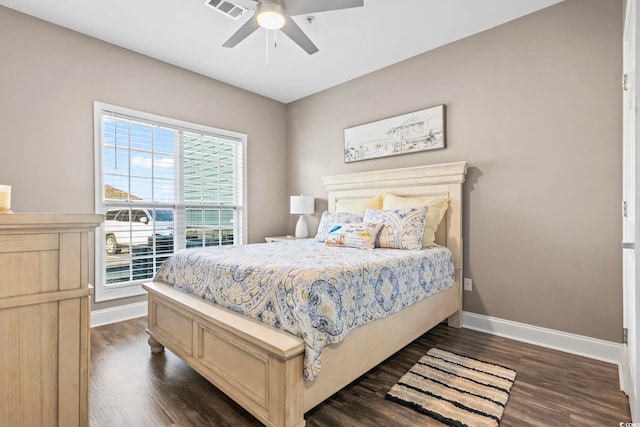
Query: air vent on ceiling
x=229 y=9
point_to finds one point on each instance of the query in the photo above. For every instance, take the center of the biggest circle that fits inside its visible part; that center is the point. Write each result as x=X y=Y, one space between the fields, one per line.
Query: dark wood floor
x=132 y=387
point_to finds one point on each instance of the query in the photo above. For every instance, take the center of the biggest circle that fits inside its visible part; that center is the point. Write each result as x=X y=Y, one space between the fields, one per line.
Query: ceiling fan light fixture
x=270 y=15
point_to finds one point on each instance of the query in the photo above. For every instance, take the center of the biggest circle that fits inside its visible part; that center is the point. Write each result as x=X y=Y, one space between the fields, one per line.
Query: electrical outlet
x=468 y=284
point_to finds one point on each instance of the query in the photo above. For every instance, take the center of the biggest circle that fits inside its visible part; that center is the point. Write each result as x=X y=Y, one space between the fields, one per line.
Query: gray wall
x=534 y=106
x=49 y=78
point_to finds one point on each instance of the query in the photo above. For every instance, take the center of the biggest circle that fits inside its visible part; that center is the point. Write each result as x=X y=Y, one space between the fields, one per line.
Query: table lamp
x=5 y=199
x=301 y=205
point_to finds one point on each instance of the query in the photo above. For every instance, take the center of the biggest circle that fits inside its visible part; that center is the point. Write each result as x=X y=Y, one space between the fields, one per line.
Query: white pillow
x=329 y=219
x=361 y=235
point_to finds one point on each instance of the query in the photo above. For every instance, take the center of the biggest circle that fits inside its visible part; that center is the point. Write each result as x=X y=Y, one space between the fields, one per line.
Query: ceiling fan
x=275 y=15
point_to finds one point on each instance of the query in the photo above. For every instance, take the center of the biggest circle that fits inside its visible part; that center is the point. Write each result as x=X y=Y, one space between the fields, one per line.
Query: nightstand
x=283 y=239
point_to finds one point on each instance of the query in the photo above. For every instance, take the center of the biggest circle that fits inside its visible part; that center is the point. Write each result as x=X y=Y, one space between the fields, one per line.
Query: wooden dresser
x=44 y=319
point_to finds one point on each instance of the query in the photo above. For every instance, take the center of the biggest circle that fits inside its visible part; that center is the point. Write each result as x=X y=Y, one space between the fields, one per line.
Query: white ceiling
x=352 y=42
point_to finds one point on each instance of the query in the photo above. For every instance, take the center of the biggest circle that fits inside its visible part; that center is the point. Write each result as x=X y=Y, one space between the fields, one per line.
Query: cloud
x=146 y=163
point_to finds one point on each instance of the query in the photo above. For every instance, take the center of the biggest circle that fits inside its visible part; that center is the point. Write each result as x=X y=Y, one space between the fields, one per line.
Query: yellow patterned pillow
x=358 y=206
x=435 y=213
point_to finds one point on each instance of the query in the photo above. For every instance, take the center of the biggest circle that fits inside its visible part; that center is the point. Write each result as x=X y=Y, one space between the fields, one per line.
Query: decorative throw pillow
x=358 y=206
x=361 y=236
x=402 y=229
x=437 y=209
x=329 y=219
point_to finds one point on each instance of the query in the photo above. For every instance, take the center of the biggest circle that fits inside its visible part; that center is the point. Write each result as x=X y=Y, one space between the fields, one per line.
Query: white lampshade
x=302 y=205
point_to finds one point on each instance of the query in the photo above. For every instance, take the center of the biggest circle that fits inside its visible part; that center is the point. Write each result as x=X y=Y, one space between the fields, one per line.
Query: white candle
x=5 y=197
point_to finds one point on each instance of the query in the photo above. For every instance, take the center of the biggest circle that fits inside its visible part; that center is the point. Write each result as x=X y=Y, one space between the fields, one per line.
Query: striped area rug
x=455 y=390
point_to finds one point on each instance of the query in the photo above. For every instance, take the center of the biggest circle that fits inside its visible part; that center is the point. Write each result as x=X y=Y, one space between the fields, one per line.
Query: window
x=163 y=185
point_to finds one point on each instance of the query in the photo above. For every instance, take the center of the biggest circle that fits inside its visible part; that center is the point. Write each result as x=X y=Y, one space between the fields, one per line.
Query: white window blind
x=163 y=185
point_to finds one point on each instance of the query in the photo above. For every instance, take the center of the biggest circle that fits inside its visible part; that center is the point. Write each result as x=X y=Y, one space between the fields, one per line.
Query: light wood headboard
x=438 y=180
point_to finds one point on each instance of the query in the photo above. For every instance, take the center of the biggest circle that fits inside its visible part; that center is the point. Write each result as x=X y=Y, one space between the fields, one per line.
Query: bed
x=261 y=367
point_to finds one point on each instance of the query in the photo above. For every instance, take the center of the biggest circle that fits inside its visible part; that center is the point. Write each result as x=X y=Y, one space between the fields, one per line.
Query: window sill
x=108 y=293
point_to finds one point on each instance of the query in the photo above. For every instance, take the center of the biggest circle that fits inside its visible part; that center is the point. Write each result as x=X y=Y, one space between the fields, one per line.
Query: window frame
x=131 y=289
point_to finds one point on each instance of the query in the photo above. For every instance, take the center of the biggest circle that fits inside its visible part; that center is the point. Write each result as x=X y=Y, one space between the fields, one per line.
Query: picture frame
x=418 y=131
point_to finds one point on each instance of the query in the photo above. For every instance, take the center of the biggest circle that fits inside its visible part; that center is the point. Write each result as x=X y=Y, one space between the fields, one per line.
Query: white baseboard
x=118 y=314
x=593 y=348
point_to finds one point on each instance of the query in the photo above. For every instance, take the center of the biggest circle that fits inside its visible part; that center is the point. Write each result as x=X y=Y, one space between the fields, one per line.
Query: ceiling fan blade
x=249 y=27
x=247 y=4
x=296 y=34
x=302 y=7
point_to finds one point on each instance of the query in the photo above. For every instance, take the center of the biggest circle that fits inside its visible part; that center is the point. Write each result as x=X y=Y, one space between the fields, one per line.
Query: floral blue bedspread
x=309 y=289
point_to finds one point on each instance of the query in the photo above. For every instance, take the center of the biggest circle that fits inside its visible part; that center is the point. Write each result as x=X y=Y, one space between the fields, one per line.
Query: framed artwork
x=407 y=133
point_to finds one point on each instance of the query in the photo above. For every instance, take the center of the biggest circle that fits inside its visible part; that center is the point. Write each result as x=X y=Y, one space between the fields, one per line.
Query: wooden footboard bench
x=257 y=366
